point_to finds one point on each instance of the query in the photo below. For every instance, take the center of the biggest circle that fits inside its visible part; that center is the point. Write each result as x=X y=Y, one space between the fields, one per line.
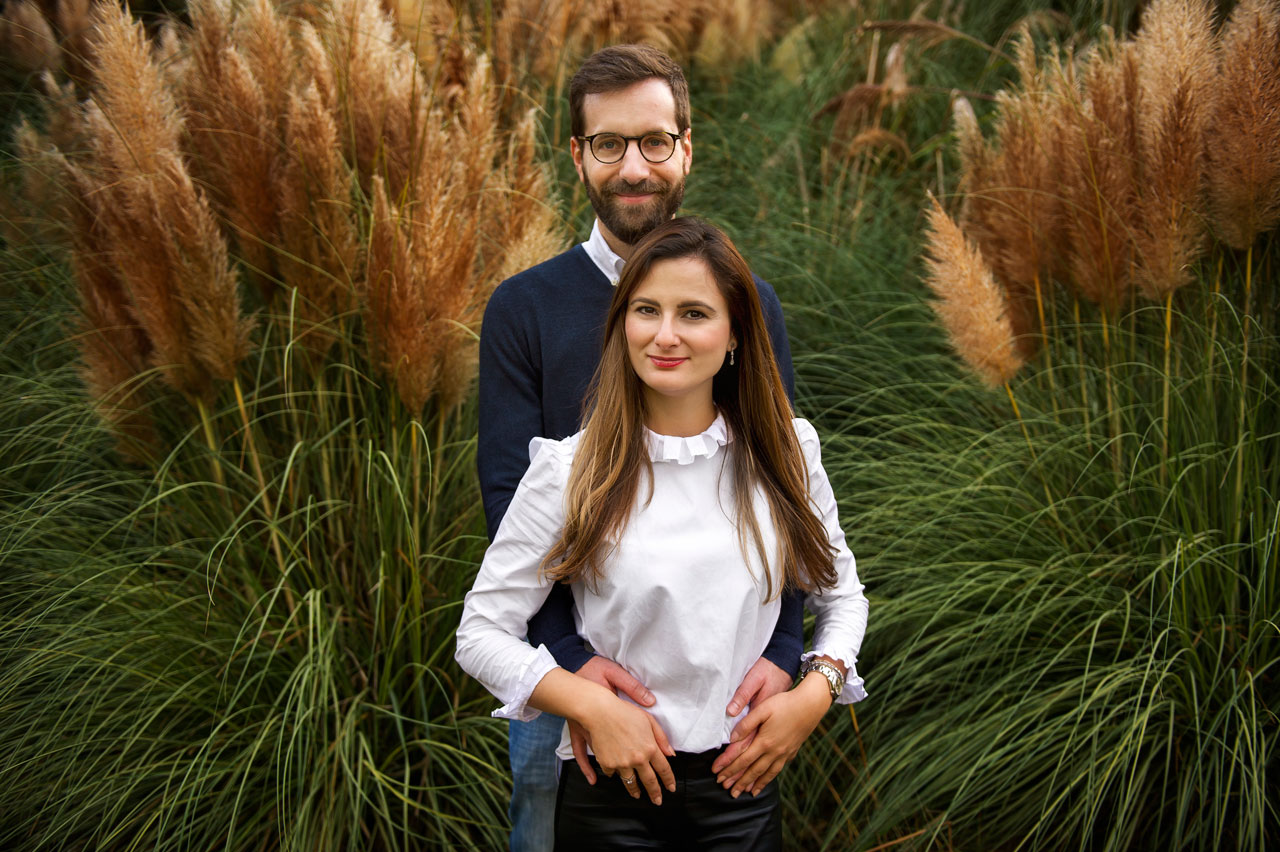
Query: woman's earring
x=730 y=357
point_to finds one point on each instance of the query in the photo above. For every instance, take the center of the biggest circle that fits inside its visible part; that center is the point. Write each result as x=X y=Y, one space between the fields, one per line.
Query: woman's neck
x=678 y=416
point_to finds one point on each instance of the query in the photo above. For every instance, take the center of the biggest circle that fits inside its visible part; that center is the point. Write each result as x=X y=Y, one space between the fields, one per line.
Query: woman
x=678 y=514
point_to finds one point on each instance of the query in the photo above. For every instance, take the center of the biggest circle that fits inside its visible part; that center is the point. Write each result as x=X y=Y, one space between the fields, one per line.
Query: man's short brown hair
x=622 y=65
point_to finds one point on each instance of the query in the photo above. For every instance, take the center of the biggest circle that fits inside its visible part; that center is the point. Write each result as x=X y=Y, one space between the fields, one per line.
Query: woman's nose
x=667 y=336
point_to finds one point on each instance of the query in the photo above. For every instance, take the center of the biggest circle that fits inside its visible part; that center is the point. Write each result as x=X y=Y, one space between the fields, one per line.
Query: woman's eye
x=696 y=315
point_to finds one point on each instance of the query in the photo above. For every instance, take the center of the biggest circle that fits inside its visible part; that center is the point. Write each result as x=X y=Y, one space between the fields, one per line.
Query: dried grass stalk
x=231 y=123
x=1243 y=155
x=27 y=42
x=1012 y=185
x=972 y=306
x=385 y=93
x=165 y=242
x=318 y=243
x=1175 y=57
x=1099 y=187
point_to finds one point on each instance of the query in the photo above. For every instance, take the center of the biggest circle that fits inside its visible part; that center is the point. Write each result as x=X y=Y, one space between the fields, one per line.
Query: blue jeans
x=535 y=777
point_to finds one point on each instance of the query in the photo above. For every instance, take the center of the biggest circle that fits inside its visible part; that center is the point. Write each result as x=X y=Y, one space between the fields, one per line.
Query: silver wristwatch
x=835 y=680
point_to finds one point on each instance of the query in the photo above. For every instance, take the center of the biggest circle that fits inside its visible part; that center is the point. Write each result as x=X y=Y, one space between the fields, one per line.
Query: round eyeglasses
x=609 y=148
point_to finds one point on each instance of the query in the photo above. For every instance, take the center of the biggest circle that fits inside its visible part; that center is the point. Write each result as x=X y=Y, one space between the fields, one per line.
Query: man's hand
x=613 y=677
x=763 y=680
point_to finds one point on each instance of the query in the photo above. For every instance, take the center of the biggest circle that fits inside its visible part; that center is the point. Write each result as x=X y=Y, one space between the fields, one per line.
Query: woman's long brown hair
x=612 y=451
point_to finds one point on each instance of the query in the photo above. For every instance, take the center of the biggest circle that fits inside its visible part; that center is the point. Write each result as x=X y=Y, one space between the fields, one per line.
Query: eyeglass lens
x=611 y=147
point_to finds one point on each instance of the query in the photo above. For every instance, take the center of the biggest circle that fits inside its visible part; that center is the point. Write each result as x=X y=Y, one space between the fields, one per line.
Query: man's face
x=632 y=196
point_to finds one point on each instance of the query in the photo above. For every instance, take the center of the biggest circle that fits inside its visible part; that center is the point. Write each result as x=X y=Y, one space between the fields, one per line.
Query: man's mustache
x=623 y=187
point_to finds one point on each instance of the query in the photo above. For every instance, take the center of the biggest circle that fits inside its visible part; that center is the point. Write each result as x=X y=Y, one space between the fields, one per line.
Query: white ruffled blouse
x=678 y=605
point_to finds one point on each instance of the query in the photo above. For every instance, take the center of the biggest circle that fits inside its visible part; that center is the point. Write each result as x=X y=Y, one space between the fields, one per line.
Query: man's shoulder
x=563 y=270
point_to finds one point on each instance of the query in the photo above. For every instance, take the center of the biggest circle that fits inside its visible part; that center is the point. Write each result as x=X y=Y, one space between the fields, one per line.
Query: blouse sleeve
x=509 y=588
x=841 y=611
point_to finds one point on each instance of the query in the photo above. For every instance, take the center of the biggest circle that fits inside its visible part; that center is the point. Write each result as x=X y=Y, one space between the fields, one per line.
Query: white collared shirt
x=678 y=605
x=605 y=258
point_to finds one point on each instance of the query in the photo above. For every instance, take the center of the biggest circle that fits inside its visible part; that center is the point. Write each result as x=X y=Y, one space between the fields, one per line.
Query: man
x=632 y=147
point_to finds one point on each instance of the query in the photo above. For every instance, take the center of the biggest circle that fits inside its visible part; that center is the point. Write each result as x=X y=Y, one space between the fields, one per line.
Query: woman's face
x=678 y=330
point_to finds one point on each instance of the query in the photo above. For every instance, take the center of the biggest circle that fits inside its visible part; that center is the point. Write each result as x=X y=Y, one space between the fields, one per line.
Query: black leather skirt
x=699 y=815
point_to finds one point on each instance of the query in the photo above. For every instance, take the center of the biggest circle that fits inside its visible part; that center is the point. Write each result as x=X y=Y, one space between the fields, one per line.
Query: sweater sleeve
x=509 y=400
x=510 y=417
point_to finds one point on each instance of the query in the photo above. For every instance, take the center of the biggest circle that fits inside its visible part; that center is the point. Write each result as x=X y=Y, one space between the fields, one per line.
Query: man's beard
x=630 y=224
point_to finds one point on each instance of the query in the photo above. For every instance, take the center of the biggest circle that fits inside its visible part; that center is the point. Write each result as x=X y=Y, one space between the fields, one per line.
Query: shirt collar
x=670 y=448
x=605 y=258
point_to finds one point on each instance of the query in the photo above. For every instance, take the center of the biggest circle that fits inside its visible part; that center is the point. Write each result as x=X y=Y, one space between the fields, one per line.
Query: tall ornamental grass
x=1073 y=638
x=226 y=618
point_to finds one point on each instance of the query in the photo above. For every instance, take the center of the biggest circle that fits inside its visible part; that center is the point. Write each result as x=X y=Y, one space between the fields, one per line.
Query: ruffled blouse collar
x=672 y=448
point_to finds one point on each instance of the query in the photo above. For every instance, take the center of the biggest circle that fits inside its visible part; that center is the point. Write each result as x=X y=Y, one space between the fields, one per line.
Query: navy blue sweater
x=539 y=347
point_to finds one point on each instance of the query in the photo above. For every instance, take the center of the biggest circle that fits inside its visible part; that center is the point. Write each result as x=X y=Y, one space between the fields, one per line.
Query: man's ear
x=686 y=140
x=575 y=151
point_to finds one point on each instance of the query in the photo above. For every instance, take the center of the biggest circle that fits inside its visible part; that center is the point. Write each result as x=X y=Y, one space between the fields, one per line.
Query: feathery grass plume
x=426 y=283
x=385 y=93
x=1176 y=69
x=1243 y=156
x=1100 y=145
x=732 y=31
x=517 y=207
x=973 y=308
x=165 y=242
x=970 y=145
x=1010 y=186
x=318 y=244
x=401 y=321
x=315 y=67
x=231 y=114
x=27 y=42
x=114 y=349
x=73 y=21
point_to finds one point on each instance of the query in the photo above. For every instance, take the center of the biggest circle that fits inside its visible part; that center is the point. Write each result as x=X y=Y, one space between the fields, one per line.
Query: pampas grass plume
x=1175 y=56
x=27 y=42
x=1243 y=153
x=972 y=306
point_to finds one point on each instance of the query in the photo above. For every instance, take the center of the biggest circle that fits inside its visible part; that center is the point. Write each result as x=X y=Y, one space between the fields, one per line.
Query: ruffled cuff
x=518 y=707
x=854 y=690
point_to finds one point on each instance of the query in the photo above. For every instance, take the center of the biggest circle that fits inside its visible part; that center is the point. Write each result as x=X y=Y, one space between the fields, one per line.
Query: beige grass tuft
x=1243 y=154
x=318 y=242
x=1011 y=187
x=231 y=111
x=972 y=306
x=27 y=41
x=1099 y=188
x=164 y=241
x=1175 y=57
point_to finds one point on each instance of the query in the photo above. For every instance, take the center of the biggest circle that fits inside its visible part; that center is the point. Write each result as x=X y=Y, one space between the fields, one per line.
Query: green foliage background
x=1073 y=638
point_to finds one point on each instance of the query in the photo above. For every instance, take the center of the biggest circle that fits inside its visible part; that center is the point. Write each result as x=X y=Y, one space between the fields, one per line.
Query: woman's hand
x=777 y=727
x=627 y=741
x=630 y=743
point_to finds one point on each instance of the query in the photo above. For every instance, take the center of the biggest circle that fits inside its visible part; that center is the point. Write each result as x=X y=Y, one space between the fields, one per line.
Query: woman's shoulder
x=553 y=451
x=804 y=431
x=810 y=444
